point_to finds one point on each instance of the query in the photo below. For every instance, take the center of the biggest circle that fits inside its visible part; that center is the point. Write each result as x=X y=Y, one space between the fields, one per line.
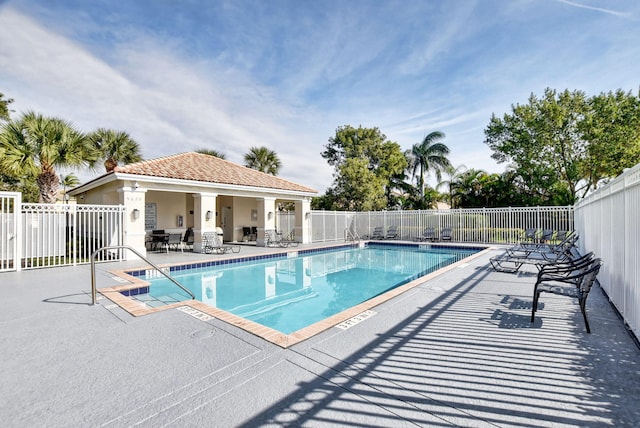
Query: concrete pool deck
x=456 y=350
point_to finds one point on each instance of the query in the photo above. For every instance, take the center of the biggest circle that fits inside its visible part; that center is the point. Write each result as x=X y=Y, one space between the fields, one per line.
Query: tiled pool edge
x=137 y=308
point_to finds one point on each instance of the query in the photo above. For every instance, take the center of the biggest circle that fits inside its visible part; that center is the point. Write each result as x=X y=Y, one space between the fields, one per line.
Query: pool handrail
x=94 y=291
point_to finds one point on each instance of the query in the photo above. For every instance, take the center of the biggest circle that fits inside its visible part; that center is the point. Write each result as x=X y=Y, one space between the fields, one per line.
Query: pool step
x=158 y=301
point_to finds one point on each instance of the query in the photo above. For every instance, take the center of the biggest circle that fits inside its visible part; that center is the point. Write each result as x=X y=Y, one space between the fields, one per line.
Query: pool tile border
x=118 y=294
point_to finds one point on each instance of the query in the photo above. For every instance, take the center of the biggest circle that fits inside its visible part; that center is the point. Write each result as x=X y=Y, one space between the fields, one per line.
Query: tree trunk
x=110 y=164
x=48 y=185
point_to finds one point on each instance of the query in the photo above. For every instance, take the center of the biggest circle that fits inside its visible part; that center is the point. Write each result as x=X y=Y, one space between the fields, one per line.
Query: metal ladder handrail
x=353 y=235
x=94 y=291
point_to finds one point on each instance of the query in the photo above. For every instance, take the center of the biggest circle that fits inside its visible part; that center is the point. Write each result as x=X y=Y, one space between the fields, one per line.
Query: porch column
x=204 y=217
x=266 y=218
x=133 y=199
x=303 y=220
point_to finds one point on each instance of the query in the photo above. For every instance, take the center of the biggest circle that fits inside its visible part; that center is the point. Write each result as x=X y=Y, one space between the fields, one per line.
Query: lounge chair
x=392 y=233
x=538 y=256
x=530 y=235
x=524 y=250
x=429 y=234
x=576 y=285
x=290 y=239
x=212 y=243
x=378 y=233
x=274 y=239
x=445 y=234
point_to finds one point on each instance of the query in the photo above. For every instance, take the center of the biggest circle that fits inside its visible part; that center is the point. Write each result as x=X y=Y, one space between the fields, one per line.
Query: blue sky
x=228 y=75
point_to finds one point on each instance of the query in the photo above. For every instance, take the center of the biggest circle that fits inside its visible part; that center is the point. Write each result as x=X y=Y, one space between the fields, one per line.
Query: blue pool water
x=290 y=293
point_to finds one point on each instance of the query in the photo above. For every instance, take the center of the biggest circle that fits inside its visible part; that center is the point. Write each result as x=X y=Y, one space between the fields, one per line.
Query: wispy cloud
x=616 y=13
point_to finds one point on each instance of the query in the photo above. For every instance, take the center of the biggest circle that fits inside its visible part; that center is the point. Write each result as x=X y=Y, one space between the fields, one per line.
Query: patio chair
x=545 y=236
x=274 y=239
x=187 y=240
x=517 y=256
x=525 y=250
x=429 y=234
x=445 y=234
x=530 y=235
x=392 y=233
x=290 y=239
x=212 y=243
x=577 y=285
x=378 y=233
x=173 y=240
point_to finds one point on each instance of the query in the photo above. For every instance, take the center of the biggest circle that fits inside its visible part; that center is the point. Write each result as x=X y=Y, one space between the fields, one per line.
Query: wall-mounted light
x=135 y=185
x=136 y=213
x=208 y=215
x=270 y=215
x=307 y=215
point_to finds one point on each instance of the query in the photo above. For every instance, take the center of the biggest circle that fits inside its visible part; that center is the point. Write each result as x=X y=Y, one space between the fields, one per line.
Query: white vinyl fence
x=481 y=225
x=608 y=223
x=46 y=235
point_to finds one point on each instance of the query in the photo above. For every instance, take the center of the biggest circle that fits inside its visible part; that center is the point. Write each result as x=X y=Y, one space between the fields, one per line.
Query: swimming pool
x=297 y=289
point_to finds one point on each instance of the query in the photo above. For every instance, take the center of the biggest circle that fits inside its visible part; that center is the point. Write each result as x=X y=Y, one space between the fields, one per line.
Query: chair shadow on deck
x=440 y=365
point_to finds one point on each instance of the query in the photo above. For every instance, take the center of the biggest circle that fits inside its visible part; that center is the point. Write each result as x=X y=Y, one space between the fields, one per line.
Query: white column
x=204 y=217
x=266 y=218
x=303 y=221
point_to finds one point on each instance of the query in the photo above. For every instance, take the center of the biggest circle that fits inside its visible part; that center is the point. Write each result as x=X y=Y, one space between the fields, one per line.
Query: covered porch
x=201 y=193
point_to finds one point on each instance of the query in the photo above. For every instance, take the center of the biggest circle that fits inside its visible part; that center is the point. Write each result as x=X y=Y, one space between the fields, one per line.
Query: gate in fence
x=47 y=235
x=9 y=217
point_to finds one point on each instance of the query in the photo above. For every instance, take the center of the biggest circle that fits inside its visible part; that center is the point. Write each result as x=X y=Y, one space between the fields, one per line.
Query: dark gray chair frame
x=577 y=285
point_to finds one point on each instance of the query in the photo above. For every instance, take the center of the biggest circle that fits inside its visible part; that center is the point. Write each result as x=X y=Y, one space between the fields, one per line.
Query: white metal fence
x=608 y=224
x=45 y=235
x=482 y=225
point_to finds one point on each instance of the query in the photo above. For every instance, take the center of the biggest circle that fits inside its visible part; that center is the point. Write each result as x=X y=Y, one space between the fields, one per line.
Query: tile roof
x=206 y=168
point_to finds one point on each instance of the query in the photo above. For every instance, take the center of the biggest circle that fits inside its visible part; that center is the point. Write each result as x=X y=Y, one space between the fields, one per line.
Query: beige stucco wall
x=169 y=206
x=242 y=208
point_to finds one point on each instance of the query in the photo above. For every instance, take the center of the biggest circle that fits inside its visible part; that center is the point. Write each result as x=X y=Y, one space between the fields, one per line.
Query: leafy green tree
x=542 y=143
x=563 y=144
x=115 y=147
x=4 y=108
x=612 y=129
x=365 y=163
x=212 y=152
x=35 y=145
x=263 y=159
x=429 y=156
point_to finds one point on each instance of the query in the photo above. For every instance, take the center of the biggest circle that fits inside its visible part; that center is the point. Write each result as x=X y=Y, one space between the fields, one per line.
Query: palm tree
x=115 y=147
x=263 y=159
x=429 y=155
x=212 y=152
x=68 y=180
x=454 y=174
x=36 y=145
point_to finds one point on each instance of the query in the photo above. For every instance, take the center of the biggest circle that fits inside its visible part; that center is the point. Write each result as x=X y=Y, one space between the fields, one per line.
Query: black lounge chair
x=392 y=233
x=577 y=285
x=446 y=233
x=539 y=256
x=429 y=234
x=378 y=233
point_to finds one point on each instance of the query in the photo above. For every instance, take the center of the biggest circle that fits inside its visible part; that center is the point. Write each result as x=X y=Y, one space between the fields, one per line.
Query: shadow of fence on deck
x=467 y=358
